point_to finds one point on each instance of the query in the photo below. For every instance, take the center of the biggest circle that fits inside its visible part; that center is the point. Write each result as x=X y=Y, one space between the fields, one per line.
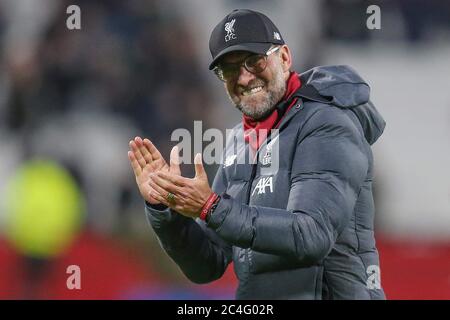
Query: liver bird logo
x=229 y=28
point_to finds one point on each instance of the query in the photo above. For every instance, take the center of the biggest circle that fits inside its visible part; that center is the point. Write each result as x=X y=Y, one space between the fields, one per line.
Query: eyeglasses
x=255 y=63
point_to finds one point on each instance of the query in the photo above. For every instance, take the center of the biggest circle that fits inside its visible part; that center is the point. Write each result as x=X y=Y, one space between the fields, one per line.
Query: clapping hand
x=145 y=159
x=187 y=196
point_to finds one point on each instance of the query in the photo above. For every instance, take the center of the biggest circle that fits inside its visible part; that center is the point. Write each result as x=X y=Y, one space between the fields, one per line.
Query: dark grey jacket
x=302 y=229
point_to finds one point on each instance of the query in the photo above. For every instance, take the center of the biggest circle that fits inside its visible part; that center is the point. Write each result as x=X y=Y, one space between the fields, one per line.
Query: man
x=301 y=231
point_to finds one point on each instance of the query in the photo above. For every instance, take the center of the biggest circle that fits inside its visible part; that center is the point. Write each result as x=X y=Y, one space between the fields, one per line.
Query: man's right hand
x=146 y=159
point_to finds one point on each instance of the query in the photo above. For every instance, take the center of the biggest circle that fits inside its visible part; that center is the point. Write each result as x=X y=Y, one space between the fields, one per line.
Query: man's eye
x=254 y=60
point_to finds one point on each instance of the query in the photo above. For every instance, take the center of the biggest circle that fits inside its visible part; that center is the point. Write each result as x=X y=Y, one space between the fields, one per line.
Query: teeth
x=252 y=91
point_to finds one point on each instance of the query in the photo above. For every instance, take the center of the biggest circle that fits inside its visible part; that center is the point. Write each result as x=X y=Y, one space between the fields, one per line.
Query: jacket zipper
x=249 y=191
x=250 y=182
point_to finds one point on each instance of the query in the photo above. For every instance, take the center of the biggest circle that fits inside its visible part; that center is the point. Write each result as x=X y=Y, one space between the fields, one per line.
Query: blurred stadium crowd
x=71 y=100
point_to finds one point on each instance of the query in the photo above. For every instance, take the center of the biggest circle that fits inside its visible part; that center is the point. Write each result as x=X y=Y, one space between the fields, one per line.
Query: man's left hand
x=184 y=195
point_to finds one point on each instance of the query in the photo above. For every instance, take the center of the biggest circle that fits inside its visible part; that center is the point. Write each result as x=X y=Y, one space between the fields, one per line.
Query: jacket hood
x=342 y=87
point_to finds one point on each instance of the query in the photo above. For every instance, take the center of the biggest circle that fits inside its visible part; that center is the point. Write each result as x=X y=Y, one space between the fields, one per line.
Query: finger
x=151 y=168
x=151 y=198
x=159 y=198
x=143 y=149
x=158 y=189
x=177 y=207
x=175 y=161
x=164 y=187
x=137 y=154
x=155 y=154
x=174 y=206
x=179 y=181
x=199 y=170
x=150 y=191
x=162 y=198
x=162 y=192
x=134 y=164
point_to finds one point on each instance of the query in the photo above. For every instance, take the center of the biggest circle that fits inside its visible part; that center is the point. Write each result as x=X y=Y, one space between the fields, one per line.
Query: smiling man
x=302 y=231
x=254 y=96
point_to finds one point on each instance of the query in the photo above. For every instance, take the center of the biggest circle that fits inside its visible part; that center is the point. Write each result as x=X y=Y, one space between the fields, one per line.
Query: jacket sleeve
x=201 y=255
x=328 y=168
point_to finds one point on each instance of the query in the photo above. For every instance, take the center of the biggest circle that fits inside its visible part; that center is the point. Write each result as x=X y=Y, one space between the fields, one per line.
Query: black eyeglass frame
x=235 y=67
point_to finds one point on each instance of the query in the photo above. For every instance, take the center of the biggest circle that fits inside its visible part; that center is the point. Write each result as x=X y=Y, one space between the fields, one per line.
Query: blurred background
x=70 y=100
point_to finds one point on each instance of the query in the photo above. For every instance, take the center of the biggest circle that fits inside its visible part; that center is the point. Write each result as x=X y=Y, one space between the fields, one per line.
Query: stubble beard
x=274 y=94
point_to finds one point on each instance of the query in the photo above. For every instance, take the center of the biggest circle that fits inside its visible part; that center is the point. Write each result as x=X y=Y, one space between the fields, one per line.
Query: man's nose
x=244 y=77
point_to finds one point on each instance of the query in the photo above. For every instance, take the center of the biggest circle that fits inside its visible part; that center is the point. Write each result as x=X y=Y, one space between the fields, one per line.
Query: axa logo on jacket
x=263 y=183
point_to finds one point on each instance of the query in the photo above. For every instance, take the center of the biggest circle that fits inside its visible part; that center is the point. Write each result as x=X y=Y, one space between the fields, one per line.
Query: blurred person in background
x=63 y=88
x=304 y=231
x=63 y=91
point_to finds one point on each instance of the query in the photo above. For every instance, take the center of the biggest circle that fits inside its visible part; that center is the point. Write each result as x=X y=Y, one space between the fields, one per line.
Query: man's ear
x=286 y=58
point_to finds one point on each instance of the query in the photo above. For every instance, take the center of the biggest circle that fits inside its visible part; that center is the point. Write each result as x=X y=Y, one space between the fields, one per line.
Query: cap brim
x=259 y=48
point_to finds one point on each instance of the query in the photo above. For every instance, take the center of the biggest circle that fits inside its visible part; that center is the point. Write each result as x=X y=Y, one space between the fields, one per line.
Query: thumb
x=199 y=170
x=175 y=161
